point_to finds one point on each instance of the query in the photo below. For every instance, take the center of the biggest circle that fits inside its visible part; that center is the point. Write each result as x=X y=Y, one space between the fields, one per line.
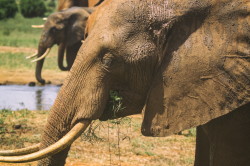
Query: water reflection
x=17 y=97
x=39 y=99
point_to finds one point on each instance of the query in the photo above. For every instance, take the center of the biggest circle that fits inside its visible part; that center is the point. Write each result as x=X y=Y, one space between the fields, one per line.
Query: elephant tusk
x=37 y=26
x=18 y=152
x=43 y=56
x=45 y=18
x=31 y=56
x=64 y=142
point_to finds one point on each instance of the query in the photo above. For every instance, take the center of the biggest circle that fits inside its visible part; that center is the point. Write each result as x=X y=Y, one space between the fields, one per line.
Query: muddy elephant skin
x=182 y=64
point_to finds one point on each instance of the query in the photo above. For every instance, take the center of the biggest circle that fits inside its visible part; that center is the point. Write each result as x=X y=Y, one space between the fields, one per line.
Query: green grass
x=18 y=32
x=10 y=133
x=18 y=61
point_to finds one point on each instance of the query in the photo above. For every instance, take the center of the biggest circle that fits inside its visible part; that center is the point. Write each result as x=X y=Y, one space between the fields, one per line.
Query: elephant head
x=66 y=29
x=180 y=63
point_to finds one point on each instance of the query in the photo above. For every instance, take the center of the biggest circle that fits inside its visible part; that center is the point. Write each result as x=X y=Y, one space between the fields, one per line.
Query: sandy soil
x=17 y=49
x=21 y=77
x=107 y=143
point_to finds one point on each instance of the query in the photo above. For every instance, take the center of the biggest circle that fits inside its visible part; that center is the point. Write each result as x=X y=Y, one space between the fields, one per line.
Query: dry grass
x=116 y=142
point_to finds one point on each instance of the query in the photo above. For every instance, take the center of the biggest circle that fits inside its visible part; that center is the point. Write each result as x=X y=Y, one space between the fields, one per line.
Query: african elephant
x=65 y=4
x=65 y=28
x=181 y=63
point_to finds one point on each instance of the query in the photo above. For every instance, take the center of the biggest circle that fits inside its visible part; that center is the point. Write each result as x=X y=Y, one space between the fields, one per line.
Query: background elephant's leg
x=61 y=50
x=202 y=151
x=71 y=53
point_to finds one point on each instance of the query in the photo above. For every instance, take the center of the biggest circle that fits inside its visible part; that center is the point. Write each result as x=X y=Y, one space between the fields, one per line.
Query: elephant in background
x=182 y=64
x=66 y=29
x=65 y=4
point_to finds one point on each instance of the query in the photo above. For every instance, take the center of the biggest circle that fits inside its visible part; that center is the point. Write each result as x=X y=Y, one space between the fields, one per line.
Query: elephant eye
x=53 y=29
x=107 y=60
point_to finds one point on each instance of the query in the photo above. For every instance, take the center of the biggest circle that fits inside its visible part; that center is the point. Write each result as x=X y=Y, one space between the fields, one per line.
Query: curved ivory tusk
x=45 y=18
x=18 y=152
x=37 y=26
x=43 y=56
x=31 y=56
x=64 y=142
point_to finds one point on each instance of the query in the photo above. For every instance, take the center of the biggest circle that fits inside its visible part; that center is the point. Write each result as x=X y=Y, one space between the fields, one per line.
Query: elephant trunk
x=71 y=52
x=61 y=51
x=39 y=64
x=82 y=97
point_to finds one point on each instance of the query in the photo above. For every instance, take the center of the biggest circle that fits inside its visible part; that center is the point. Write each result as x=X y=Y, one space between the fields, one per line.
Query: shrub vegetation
x=32 y=8
x=8 y=9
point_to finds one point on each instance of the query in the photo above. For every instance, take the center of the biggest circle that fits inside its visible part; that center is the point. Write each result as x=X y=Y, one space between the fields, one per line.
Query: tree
x=8 y=8
x=32 y=8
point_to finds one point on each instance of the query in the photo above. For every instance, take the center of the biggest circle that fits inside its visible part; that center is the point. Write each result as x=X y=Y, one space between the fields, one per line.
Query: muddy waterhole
x=16 y=97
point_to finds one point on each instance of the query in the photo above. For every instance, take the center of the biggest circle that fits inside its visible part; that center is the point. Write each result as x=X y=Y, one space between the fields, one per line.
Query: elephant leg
x=202 y=147
x=71 y=52
x=61 y=50
x=229 y=140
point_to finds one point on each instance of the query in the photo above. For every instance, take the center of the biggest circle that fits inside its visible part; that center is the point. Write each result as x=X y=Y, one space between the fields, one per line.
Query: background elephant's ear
x=76 y=27
x=189 y=91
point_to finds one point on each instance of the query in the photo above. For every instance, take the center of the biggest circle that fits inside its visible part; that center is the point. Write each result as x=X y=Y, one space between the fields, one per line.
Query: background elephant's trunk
x=39 y=64
x=71 y=52
x=61 y=51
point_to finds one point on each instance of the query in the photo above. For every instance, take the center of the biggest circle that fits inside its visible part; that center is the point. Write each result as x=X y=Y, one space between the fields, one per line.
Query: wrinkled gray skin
x=66 y=29
x=183 y=62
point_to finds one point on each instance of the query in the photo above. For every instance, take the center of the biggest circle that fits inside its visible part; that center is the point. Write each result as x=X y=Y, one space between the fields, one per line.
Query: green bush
x=32 y=8
x=8 y=8
x=50 y=5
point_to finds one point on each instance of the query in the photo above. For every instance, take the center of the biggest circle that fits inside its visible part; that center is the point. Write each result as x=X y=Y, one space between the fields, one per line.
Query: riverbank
x=25 y=76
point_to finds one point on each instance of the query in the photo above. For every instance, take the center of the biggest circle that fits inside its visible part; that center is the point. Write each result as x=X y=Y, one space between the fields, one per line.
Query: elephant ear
x=76 y=26
x=198 y=79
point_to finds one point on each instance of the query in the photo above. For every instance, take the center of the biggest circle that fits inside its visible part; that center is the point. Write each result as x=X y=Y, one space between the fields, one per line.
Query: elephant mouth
x=113 y=107
x=46 y=53
x=122 y=103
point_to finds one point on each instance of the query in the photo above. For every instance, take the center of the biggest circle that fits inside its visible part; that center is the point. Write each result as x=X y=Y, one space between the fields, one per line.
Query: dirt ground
x=110 y=143
x=22 y=77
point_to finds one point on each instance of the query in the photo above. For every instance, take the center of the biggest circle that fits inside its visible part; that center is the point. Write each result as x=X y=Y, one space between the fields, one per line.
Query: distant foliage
x=32 y=8
x=8 y=8
x=51 y=6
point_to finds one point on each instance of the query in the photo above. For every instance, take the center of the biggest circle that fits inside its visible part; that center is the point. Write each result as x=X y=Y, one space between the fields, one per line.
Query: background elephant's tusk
x=37 y=26
x=64 y=142
x=45 y=18
x=43 y=56
x=31 y=56
x=18 y=152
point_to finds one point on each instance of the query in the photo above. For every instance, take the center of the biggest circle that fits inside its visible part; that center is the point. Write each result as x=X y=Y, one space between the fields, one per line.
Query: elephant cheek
x=91 y=103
